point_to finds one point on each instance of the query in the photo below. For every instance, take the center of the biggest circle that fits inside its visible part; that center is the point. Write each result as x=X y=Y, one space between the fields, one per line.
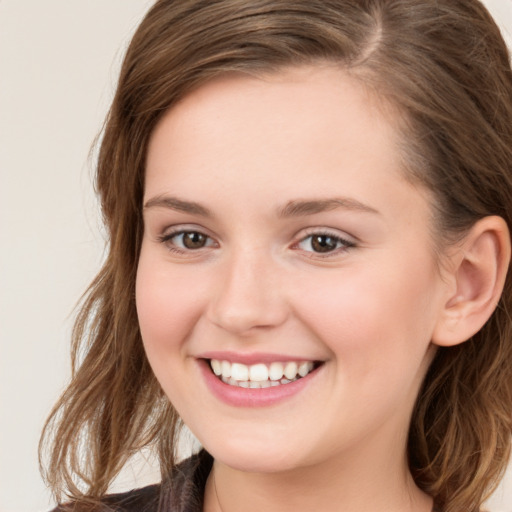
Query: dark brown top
x=185 y=494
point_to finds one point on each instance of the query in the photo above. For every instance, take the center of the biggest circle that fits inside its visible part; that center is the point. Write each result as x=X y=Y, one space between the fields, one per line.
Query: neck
x=352 y=484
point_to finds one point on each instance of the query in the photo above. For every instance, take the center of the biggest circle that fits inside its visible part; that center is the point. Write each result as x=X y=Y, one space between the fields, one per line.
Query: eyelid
x=323 y=230
x=348 y=242
x=173 y=231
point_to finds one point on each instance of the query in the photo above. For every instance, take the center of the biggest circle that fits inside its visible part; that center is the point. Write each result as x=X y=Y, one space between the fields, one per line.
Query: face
x=281 y=236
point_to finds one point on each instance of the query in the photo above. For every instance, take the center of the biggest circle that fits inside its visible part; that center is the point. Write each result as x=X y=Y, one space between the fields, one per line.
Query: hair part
x=445 y=67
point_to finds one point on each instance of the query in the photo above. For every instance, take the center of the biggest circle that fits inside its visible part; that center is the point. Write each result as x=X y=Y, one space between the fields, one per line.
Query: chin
x=254 y=456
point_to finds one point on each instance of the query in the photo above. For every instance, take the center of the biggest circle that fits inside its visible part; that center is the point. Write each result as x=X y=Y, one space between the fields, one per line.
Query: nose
x=250 y=294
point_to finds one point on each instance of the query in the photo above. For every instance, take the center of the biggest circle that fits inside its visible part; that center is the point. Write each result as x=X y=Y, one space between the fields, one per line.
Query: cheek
x=372 y=314
x=378 y=331
x=167 y=304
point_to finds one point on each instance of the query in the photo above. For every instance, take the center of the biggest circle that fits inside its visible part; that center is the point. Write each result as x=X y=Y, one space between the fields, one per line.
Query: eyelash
x=345 y=244
x=167 y=238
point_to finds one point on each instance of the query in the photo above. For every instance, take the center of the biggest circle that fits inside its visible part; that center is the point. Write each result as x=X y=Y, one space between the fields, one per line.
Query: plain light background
x=59 y=61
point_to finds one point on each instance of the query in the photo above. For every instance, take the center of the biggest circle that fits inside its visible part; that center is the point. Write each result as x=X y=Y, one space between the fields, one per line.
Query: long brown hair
x=445 y=67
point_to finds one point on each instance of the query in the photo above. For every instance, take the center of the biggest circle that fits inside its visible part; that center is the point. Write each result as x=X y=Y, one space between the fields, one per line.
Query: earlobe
x=477 y=276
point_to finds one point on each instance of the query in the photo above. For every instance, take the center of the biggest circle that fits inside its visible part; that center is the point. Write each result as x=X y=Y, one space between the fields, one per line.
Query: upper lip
x=252 y=358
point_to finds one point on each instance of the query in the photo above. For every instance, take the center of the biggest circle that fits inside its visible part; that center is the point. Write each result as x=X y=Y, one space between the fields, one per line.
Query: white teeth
x=290 y=370
x=256 y=384
x=305 y=368
x=276 y=371
x=216 y=367
x=260 y=375
x=258 y=372
x=226 y=369
x=239 y=371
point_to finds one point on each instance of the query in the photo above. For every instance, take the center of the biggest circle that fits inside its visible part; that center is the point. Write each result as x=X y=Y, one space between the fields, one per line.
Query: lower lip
x=251 y=397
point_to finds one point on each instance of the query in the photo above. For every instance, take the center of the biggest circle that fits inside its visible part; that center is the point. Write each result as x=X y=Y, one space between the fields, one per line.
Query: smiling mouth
x=261 y=375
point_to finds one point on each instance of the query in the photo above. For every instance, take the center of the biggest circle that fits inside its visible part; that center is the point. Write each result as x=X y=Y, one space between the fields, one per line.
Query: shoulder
x=144 y=499
x=182 y=492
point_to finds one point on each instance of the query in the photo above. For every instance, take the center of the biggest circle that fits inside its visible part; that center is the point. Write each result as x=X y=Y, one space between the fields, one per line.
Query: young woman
x=309 y=206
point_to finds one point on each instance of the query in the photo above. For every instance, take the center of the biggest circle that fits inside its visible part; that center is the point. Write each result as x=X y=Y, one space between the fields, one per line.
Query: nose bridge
x=249 y=293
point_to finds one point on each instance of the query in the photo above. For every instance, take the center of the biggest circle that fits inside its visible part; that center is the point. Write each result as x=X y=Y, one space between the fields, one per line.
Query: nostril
x=248 y=297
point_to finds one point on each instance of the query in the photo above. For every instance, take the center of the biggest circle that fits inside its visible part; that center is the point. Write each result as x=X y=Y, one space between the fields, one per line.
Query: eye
x=186 y=240
x=323 y=243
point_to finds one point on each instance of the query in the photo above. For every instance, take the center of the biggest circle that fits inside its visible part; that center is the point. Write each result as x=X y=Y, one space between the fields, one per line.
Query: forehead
x=321 y=106
x=311 y=131
x=314 y=87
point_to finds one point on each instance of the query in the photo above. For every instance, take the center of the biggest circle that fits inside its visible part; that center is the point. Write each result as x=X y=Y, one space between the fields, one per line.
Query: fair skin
x=233 y=268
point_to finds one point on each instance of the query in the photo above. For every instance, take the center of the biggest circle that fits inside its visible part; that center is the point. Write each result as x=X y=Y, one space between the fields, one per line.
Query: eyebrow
x=294 y=208
x=299 y=208
x=179 y=205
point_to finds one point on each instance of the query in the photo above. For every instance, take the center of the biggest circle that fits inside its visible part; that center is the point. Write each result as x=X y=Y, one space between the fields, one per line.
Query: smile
x=260 y=375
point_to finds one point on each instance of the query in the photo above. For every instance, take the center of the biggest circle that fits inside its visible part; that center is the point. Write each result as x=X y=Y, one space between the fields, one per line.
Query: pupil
x=323 y=243
x=194 y=240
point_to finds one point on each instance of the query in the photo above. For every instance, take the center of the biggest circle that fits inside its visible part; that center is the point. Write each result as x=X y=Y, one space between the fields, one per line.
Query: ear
x=476 y=276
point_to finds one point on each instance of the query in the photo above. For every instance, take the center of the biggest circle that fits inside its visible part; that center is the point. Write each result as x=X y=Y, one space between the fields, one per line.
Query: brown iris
x=194 y=240
x=323 y=243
